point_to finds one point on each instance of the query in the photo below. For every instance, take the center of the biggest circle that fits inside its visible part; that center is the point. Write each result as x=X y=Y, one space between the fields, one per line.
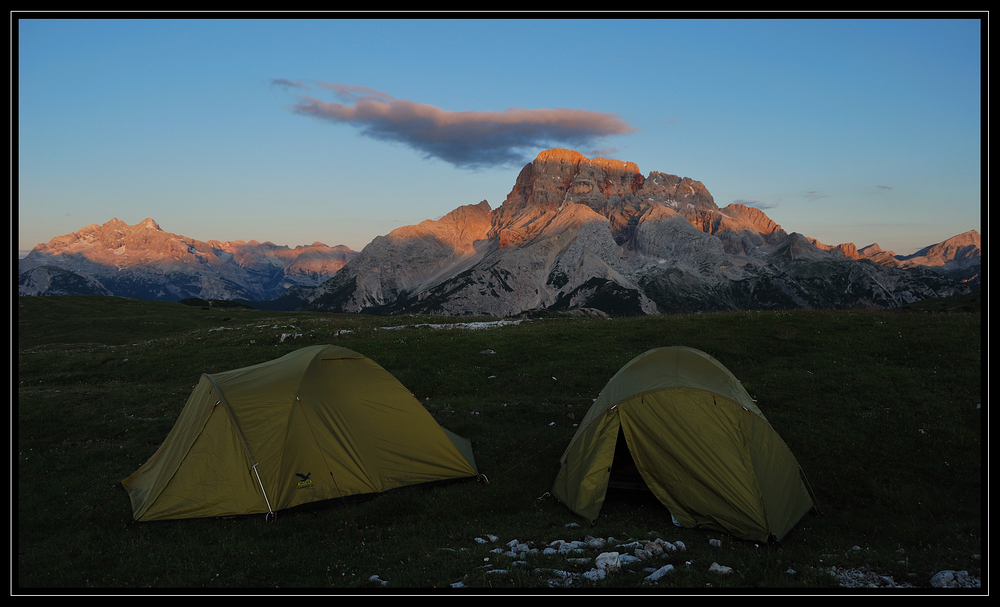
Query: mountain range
x=596 y=233
x=144 y=262
x=573 y=232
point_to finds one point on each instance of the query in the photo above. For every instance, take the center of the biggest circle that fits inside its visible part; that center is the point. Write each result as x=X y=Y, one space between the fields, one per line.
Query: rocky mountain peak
x=558 y=176
x=960 y=251
x=970 y=238
x=541 y=184
x=753 y=216
x=613 y=188
x=582 y=232
x=458 y=229
x=146 y=262
x=684 y=191
x=601 y=179
x=112 y=235
x=873 y=249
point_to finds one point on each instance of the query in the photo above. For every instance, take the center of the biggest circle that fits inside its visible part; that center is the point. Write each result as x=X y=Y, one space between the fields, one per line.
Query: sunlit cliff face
x=458 y=230
x=554 y=178
x=613 y=188
x=557 y=176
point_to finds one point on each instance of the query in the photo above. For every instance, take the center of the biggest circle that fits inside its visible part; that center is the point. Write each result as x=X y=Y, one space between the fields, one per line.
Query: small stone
x=607 y=561
x=954 y=579
x=662 y=571
x=654 y=548
x=596 y=542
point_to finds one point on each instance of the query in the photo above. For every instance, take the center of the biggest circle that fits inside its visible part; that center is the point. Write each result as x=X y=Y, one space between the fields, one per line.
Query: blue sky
x=337 y=131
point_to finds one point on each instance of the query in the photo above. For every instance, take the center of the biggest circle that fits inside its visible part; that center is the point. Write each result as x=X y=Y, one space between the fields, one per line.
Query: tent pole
x=266 y=501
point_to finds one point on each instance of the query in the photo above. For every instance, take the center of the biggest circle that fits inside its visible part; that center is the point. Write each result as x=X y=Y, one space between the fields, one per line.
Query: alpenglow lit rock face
x=579 y=232
x=574 y=232
x=144 y=262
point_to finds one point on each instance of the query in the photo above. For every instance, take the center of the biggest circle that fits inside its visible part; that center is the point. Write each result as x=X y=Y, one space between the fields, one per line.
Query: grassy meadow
x=881 y=409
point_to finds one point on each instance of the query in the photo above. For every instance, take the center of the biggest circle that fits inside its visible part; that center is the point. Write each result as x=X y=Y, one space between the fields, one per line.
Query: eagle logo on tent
x=305 y=482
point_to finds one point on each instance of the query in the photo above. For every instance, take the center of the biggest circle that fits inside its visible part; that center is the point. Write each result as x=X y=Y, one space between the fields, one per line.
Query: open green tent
x=699 y=442
x=319 y=423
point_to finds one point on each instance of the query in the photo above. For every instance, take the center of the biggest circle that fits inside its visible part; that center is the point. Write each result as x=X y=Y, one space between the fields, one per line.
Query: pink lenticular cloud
x=468 y=139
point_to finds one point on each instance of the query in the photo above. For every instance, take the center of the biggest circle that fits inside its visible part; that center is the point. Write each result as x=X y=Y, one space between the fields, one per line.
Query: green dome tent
x=319 y=423
x=699 y=442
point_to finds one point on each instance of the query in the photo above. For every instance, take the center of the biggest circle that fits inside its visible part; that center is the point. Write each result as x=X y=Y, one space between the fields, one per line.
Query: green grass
x=879 y=407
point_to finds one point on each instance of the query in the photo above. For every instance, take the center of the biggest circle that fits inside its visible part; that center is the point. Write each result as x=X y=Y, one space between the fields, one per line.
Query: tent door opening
x=624 y=473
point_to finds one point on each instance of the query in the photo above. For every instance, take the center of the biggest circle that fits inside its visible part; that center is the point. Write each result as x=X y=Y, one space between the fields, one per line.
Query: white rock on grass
x=662 y=571
x=864 y=577
x=595 y=542
x=627 y=559
x=517 y=547
x=654 y=549
x=563 y=547
x=605 y=562
x=608 y=561
x=955 y=579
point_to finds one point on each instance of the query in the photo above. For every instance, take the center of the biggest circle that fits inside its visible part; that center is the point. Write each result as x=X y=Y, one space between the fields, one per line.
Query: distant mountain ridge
x=144 y=262
x=573 y=232
x=580 y=232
